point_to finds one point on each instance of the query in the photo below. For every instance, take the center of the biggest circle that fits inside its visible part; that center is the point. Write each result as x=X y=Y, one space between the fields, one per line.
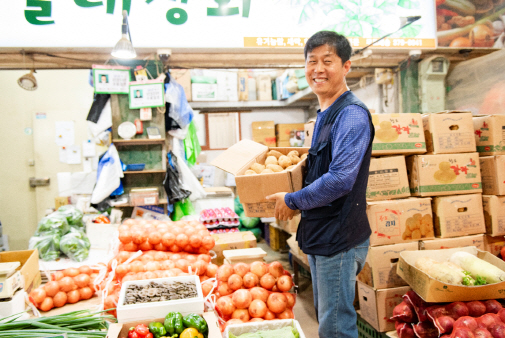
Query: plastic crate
x=135 y=167
x=365 y=330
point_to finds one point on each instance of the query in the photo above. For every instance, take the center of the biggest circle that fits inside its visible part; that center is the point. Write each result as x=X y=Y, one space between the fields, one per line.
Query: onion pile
x=180 y=236
x=68 y=286
x=253 y=292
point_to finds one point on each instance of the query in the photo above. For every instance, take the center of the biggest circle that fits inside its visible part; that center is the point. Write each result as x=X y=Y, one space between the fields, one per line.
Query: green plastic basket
x=365 y=330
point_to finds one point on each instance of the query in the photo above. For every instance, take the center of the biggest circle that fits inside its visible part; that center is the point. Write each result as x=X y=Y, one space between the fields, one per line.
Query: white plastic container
x=238 y=329
x=11 y=306
x=154 y=310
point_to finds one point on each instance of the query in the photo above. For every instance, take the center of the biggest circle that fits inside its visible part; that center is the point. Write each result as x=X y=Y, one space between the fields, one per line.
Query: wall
x=62 y=90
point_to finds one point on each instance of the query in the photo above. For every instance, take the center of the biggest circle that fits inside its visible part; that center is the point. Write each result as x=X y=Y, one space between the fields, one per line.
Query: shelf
x=124 y=205
x=119 y=142
x=153 y=171
x=302 y=99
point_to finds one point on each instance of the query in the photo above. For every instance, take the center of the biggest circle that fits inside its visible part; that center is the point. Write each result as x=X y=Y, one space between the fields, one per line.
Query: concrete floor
x=304 y=307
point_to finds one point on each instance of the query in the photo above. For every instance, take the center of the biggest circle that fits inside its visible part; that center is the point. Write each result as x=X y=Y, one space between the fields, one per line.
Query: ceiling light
x=28 y=81
x=124 y=48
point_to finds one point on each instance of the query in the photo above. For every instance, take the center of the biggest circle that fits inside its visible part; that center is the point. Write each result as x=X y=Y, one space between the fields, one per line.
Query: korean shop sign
x=145 y=94
x=111 y=79
x=213 y=23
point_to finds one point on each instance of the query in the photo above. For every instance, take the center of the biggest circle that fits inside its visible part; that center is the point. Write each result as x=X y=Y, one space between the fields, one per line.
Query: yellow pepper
x=191 y=333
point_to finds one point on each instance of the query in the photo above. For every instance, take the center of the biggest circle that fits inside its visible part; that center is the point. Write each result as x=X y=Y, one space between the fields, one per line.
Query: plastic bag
x=179 y=110
x=172 y=183
x=181 y=209
x=190 y=182
x=53 y=223
x=191 y=145
x=109 y=175
x=75 y=245
x=73 y=216
x=48 y=245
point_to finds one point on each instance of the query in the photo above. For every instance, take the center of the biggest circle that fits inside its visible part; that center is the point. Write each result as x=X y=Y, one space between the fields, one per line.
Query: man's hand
x=282 y=211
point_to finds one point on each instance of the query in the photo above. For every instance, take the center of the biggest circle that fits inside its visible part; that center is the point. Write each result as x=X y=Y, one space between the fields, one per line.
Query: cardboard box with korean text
x=377 y=306
x=400 y=221
x=264 y=132
x=183 y=77
x=448 y=174
x=292 y=132
x=387 y=179
x=309 y=130
x=379 y=271
x=458 y=215
x=493 y=245
x=494 y=214
x=230 y=241
x=455 y=242
x=290 y=226
x=449 y=132
x=264 y=87
x=253 y=189
x=120 y=330
x=492 y=171
x=397 y=134
x=490 y=134
x=29 y=267
x=432 y=290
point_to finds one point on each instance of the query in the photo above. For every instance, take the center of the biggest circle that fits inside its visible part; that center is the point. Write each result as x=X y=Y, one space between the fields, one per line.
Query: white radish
x=478 y=267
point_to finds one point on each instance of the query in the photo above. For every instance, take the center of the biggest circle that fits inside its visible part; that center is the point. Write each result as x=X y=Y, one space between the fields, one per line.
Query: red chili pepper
x=142 y=330
x=446 y=12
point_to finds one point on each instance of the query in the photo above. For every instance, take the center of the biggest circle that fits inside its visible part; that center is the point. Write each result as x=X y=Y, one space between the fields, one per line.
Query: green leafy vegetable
x=73 y=216
x=75 y=245
x=53 y=222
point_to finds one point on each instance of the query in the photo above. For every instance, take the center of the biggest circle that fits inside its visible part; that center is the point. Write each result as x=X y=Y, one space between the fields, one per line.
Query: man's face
x=104 y=79
x=324 y=71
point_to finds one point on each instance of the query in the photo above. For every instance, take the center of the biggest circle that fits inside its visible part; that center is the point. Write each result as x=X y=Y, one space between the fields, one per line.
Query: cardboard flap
x=239 y=156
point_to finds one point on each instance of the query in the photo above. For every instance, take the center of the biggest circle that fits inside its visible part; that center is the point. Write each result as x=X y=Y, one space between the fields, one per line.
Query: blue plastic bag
x=180 y=110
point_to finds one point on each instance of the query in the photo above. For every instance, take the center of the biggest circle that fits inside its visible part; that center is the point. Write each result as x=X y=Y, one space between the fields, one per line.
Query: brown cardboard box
x=283 y=131
x=493 y=245
x=183 y=77
x=264 y=87
x=295 y=249
x=264 y=132
x=387 y=179
x=494 y=214
x=432 y=290
x=448 y=174
x=377 y=306
x=490 y=134
x=398 y=134
x=309 y=130
x=379 y=271
x=230 y=241
x=400 y=221
x=449 y=132
x=121 y=329
x=283 y=144
x=458 y=215
x=456 y=242
x=29 y=267
x=253 y=189
x=492 y=171
x=290 y=226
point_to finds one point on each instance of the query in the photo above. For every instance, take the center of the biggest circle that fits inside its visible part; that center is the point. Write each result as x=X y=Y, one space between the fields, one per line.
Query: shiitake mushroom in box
x=254 y=187
x=154 y=298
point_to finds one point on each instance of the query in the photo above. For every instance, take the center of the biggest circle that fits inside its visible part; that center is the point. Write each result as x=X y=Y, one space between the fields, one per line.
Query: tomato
x=502 y=253
x=132 y=333
x=142 y=330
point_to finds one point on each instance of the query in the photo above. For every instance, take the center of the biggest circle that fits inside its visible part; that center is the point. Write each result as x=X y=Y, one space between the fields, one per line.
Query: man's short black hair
x=336 y=41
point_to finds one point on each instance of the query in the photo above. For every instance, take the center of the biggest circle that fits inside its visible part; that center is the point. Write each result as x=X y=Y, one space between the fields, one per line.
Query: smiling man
x=334 y=230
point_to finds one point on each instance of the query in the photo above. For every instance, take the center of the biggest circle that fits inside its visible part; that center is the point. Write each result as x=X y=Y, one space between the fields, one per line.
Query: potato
x=275 y=168
x=250 y=172
x=284 y=161
x=274 y=153
x=267 y=171
x=258 y=168
x=304 y=156
x=294 y=159
x=294 y=152
x=290 y=167
x=271 y=160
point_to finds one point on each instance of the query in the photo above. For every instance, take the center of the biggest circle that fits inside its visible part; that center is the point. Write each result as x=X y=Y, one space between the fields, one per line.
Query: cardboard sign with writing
x=145 y=94
x=111 y=79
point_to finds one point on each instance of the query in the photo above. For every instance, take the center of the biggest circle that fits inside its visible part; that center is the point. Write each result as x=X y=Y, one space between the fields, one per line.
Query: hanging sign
x=144 y=94
x=111 y=79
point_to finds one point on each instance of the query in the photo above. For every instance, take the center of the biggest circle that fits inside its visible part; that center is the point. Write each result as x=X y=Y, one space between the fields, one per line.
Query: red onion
x=466 y=321
x=487 y=320
x=404 y=312
x=498 y=330
x=457 y=310
x=476 y=308
x=418 y=304
x=482 y=333
x=404 y=330
x=492 y=306
x=425 y=330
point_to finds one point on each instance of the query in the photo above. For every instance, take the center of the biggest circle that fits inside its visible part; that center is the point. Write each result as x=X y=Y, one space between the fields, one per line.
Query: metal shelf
x=120 y=142
x=123 y=205
x=152 y=171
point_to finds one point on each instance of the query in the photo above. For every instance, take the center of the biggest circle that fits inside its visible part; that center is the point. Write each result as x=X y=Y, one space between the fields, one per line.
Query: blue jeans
x=334 y=284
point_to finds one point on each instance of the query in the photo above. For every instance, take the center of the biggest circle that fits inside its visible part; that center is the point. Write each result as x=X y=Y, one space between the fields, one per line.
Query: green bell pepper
x=179 y=326
x=170 y=323
x=195 y=321
x=157 y=329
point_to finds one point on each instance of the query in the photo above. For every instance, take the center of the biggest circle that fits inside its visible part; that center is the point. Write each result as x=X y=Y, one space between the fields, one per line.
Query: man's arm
x=351 y=135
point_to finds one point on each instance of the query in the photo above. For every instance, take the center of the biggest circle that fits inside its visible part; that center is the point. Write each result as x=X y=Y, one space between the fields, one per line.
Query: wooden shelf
x=152 y=171
x=123 y=205
x=119 y=142
x=303 y=99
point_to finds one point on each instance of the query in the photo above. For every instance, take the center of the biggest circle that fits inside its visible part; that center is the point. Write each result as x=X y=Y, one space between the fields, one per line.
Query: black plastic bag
x=99 y=101
x=172 y=183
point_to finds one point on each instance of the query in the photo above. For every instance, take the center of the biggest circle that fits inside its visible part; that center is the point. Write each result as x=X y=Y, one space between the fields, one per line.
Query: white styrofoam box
x=238 y=329
x=100 y=234
x=204 y=91
x=153 y=310
x=16 y=304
